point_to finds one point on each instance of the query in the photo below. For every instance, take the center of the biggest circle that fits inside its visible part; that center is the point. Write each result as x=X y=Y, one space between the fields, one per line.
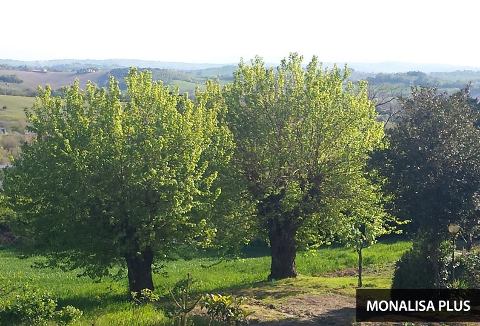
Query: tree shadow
x=89 y=303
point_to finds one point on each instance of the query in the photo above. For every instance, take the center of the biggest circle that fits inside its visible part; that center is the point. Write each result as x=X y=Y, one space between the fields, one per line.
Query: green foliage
x=366 y=219
x=105 y=179
x=145 y=296
x=414 y=270
x=435 y=161
x=225 y=309
x=467 y=272
x=303 y=138
x=27 y=305
x=427 y=265
x=67 y=315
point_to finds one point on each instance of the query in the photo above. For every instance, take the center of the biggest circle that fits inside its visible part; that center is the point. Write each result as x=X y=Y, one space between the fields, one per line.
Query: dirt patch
x=343 y=272
x=327 y=309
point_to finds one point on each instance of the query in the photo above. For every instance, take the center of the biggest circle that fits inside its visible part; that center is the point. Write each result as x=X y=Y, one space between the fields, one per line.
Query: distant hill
x=395 y=67
x=23 y=77
x=73 y=64
x=186 y=80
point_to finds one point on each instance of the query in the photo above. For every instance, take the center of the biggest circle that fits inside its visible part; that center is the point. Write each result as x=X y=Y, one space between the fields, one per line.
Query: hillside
x=12 y=110
x=30 y=79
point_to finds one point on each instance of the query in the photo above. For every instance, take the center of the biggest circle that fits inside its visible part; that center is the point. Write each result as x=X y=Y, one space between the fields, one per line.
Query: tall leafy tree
x=435 y=160
x=107 y=182
x=302 y=137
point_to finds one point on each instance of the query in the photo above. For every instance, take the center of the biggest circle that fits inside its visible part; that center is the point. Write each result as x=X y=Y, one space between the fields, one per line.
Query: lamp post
x=453 y=229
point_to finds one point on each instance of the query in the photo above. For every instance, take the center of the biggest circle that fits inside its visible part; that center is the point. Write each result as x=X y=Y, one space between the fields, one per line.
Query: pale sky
x=210 y=31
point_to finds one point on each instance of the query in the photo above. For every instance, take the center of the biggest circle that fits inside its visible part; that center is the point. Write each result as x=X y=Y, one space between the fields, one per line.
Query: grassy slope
x=15 y=107
x=106 y=303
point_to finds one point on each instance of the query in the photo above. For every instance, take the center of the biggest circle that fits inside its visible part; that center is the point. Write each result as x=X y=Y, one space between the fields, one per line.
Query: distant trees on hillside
x=10 y=79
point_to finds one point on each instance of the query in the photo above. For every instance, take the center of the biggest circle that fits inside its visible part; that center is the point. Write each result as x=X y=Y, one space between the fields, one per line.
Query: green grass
x=15 y=107
x=106 y=302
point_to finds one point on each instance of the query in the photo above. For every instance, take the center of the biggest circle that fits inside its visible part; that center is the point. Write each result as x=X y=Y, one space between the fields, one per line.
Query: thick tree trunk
x=283 y=249
x=140 y=270
x=360 y=268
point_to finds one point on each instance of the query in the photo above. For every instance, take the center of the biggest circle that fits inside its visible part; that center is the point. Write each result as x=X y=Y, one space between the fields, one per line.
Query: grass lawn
x=106 y=302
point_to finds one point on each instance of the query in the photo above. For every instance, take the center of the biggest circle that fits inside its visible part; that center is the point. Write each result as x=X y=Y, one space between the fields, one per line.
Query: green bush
x=468 y=271
x=26 y=305
x=413 y=271
x=429 y=265
x=67 y=315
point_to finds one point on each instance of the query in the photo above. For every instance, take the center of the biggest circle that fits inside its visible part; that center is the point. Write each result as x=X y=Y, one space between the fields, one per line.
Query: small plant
x=184 y=300
x=224 y=309
x=67 y=315
x=145 y=296
x=141 y=298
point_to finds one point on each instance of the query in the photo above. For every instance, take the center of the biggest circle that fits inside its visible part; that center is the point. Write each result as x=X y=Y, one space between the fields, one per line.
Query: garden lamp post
x=453 y=229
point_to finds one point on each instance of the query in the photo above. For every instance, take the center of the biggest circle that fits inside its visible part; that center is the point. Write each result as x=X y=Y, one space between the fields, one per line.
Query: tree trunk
x=360 y=268
x=140 y=270
x=283 y=250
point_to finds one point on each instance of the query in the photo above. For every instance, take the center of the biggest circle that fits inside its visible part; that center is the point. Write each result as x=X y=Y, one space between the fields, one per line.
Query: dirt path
x=324 y=309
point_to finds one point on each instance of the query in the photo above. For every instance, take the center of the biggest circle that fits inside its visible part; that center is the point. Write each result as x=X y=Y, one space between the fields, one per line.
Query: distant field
x=15 y=106
x=31 y=80
x=13 y=116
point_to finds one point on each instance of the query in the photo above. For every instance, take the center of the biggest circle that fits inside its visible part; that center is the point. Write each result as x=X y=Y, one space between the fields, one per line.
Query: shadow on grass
x=88 y=303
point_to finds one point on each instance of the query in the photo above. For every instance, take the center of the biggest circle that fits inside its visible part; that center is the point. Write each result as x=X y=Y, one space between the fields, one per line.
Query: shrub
x=26 y=305
x=429 y=265
x=414 y=270
x=468 y=270
x=67 y=315
x=145 y=296
x=224 y=309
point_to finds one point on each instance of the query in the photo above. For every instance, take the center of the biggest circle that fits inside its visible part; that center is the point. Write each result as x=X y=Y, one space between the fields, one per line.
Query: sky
x=223 y=31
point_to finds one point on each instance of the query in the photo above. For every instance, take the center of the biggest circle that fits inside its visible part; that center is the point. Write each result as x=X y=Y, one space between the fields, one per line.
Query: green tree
x=107 y=182
x=302 y=136
x=435 y=160
x=435 y=172
x=366 y=218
